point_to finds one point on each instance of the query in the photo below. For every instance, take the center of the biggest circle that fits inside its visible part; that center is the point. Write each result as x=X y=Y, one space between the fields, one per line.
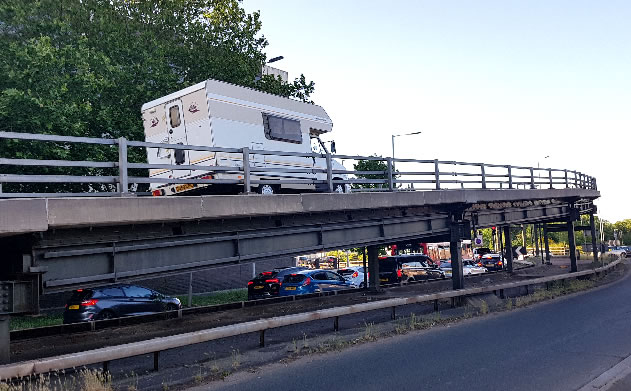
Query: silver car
x=354 y=275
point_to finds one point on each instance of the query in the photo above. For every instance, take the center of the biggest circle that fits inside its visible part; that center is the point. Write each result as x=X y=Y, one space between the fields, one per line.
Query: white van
x=218 y=114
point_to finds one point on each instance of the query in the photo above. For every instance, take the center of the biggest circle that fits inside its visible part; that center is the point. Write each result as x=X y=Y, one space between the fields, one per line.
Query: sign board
x=478 y=240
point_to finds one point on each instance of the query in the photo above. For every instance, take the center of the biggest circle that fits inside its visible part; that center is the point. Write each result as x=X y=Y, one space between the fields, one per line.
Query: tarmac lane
x=562 y=344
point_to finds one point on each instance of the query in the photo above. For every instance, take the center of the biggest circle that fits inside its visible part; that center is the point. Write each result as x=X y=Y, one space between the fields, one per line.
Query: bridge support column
x=455 y=249
x=5 y=339
x=546 y=243
x=373 y=268
x=509 y=249
x=572 y=242
x=592 y=227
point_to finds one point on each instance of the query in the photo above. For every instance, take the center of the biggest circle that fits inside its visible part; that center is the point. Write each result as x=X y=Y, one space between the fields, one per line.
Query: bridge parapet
x=245 y=169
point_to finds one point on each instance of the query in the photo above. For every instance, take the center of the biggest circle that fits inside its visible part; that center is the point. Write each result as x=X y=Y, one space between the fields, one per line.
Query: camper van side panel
x=195 y=109
x=154 y=121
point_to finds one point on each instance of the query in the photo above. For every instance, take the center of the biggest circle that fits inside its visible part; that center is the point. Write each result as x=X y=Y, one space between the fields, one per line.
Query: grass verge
x=32 y=321
x=224 y=297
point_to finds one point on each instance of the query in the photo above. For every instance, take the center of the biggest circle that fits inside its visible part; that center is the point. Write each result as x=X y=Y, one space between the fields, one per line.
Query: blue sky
x=505 y=82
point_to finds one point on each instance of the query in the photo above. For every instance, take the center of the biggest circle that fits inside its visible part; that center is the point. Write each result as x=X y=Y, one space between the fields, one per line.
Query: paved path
x=559 y=345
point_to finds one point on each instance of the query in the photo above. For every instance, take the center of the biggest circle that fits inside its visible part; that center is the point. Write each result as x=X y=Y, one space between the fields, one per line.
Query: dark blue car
x=312 y=281
x=115 y=301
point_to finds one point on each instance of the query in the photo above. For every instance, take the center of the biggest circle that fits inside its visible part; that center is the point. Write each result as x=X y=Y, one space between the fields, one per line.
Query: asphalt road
x=558 y=345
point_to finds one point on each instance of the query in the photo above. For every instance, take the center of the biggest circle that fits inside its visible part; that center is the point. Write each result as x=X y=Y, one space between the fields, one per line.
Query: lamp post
x=275 y=59
x=398 y=135
x=271 y=60
x=539 y=172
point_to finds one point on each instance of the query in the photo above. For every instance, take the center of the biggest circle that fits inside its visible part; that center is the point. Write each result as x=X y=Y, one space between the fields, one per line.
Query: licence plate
x=73 y=307
x=384 y=280
x=489 y=264
x=184 y=187
x=259 y=287
x=290 y=288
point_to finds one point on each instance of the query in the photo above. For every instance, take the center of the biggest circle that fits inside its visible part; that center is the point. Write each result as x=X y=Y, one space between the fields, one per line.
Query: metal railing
x=250 y=169
x=156 y=345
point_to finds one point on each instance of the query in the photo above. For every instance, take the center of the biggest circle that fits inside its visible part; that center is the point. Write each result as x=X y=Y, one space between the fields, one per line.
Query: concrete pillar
x=546 y=243
x=572 y=242
x=373 y=268
x=4 y=339
x=509 y=249
x=592 y=227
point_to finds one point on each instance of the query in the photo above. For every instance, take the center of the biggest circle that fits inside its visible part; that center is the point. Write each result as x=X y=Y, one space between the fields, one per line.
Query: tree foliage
x=85 y=67
x=371 y=165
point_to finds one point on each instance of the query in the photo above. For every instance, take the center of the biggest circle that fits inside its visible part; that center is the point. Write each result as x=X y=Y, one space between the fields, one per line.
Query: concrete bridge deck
x=19 y=216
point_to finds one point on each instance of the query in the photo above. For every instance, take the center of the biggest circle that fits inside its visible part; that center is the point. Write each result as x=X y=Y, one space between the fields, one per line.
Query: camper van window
x=282 y=129
x=174 y=115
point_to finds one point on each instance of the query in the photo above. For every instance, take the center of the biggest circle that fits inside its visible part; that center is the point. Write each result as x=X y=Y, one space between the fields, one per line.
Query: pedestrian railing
x=156 y=345
x=247 y=169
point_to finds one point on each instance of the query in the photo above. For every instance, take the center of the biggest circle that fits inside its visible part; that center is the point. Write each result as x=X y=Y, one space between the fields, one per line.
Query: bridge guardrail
x=156 y=345
x=113 y=178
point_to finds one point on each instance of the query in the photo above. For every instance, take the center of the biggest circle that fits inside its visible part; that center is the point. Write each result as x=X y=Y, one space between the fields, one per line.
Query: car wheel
x=105 y=315
x=172 y=307
x=361 y=285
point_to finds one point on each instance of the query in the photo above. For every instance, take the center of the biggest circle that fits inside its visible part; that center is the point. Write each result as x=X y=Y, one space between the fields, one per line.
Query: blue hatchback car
x=312 y=281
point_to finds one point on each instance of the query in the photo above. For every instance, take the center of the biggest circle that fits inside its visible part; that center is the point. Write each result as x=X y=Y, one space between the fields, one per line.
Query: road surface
x=558 y=345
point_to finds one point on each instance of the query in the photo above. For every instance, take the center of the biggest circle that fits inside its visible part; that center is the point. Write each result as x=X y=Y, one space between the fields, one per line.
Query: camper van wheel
x=339 y=188
x=266 y=189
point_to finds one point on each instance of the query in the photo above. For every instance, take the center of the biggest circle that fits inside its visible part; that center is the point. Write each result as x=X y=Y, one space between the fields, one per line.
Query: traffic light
x=493 y=230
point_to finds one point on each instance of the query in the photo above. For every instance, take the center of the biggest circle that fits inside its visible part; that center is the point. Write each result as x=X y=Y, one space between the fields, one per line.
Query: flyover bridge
x=100 y=229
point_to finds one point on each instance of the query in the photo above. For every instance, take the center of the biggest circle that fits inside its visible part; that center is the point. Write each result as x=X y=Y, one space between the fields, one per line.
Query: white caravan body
x=218 y=114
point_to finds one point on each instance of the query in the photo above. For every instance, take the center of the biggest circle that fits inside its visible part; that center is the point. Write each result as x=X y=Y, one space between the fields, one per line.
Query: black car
x=267 y=284
x=116 y=301
x=408 y=267
x=492 y=262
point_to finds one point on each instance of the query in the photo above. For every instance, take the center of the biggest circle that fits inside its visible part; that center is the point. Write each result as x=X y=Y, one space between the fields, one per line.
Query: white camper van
x=218 y=114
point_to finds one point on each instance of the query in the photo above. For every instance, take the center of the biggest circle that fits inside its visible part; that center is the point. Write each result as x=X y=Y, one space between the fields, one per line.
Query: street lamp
x=275 y=59
x=538 y=171
x=398 y=135
x=271 y=60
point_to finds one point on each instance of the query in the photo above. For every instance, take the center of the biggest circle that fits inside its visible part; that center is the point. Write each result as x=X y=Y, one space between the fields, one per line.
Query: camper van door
x=177 y=135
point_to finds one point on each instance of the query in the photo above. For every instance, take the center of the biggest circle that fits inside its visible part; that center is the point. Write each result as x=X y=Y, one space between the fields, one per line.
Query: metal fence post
x=437 y=174
x=575 y=179
x=123 y=179
x=532 y=178
x=567 y=184
x=510 y=177
x=390 y=180
x=550 y=176
x=246 y=170
x=483 y=175
x=329 y=172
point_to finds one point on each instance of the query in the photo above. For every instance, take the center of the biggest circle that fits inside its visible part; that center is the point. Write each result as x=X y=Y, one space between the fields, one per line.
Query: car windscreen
x=445 y=264
x=345 y=272
x=295 y=278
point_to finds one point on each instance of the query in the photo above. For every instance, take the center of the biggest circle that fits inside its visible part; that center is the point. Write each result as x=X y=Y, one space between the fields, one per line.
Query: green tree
x=85 y=67
x=372 y=165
